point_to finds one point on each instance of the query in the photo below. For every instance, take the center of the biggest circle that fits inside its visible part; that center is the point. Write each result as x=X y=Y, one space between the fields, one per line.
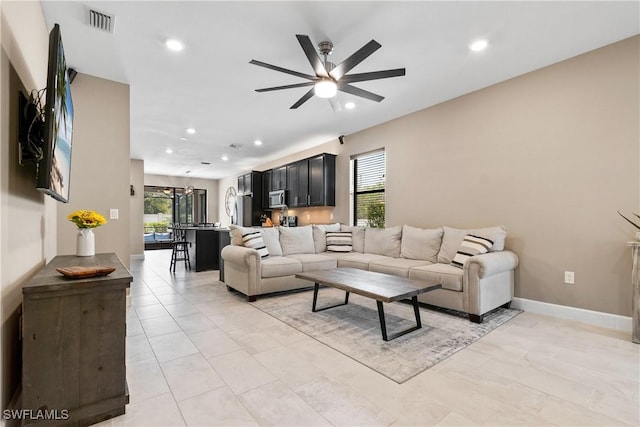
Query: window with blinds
x=368 y=179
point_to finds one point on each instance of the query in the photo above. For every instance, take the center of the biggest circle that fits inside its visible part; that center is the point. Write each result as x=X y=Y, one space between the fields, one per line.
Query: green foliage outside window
x=155 y=205
x=375 y=214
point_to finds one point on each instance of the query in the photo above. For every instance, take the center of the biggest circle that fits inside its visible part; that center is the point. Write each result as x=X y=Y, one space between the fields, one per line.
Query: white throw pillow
x=453 y=237
x=253 y=240
x=319 y=235
x=297 y=240
x=471 y=245
x=237 y=232
x=339 y=241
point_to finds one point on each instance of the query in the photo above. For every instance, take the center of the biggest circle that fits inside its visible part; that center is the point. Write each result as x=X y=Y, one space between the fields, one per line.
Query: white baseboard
x=596 y=318
x=137 y=256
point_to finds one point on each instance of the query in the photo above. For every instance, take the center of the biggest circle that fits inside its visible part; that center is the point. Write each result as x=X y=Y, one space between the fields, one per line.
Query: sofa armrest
x=240 y=255
x=492 y=263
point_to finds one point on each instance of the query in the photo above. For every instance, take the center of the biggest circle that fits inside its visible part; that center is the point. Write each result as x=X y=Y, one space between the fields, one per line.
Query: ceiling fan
x=330 y=78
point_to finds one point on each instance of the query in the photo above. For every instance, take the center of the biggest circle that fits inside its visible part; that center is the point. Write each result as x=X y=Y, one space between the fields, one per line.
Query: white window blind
x=369 y=176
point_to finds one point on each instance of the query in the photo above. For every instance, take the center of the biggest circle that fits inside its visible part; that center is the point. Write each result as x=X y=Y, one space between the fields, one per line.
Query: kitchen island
x=205 y=244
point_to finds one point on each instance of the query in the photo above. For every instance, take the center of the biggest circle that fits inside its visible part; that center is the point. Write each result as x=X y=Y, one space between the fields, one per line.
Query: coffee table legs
x=315 y=299
x=383 y=324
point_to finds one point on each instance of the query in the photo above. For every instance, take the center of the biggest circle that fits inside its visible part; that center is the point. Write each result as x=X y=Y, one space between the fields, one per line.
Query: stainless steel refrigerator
x=247 y=212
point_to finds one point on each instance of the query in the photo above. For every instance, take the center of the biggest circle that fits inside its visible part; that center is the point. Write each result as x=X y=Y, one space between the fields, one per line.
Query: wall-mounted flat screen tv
x=54 y=170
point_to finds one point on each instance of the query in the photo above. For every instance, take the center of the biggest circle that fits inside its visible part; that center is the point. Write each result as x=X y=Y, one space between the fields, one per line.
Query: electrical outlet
x=569 y=278
x=113 y=213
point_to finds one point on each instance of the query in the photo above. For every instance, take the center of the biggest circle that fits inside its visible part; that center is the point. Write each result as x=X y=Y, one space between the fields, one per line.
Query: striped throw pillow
x=253 y=240
x=470 y=246
x=339 y=241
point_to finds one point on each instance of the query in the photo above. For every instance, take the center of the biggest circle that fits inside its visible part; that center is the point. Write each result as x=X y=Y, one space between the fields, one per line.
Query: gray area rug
x=354 y=330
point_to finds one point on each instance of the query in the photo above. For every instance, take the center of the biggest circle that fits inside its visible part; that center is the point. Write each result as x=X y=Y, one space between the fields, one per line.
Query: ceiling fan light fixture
x=325 y=88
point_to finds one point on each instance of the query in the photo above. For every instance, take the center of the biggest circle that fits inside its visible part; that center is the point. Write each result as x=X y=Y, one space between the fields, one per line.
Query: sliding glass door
x=174 y=205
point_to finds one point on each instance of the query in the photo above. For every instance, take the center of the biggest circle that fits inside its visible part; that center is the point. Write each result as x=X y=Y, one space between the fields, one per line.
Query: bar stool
x=180 y=250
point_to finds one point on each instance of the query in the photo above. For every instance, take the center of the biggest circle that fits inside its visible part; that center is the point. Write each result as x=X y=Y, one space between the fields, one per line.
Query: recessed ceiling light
x=257 y=142
x=191 y=131
x=174 y=45
x=168 y=151
x=479 y=45
x=350 y=105
x=224 y=158
x=184 y=139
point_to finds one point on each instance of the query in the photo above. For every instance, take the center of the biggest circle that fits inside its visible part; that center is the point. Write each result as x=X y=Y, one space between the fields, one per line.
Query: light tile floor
x=202 y=356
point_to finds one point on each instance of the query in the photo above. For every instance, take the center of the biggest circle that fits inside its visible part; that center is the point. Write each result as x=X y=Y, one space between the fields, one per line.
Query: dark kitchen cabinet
x=250 y=184
x=279 y=178
x=266 y=187
x=298 y=184
x=322 y=180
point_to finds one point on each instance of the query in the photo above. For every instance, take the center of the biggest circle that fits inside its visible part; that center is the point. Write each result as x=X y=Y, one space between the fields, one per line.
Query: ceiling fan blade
x=269 y=89
x=282 y=70
x=302 y=100
x=359 y=92
x=335 y=104
x=312 y=55
x=361 y=54
x=374 y=75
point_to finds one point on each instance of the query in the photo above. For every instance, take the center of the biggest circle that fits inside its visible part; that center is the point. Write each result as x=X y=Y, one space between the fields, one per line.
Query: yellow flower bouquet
x=87 y=219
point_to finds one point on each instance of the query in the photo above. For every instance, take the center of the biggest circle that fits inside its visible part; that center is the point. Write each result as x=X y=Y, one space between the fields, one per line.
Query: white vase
x=85 y=242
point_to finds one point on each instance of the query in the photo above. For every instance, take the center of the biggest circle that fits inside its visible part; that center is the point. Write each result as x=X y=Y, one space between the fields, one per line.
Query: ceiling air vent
x=101 y=21
x=236 y=146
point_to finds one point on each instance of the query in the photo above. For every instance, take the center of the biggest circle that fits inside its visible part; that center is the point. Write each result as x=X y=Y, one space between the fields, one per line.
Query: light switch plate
x=113 y=213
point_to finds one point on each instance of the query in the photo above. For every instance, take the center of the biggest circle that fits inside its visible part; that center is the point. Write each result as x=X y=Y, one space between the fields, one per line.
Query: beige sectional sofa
x=484 y=282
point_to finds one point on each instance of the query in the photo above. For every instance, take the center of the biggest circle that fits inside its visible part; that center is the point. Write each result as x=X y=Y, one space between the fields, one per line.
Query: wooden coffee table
x=378 y=286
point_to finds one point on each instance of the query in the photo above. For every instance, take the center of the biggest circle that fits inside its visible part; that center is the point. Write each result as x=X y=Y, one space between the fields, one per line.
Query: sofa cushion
x=271 y=238
x=277 y=266
x=162 y=237
x=313 y=262
x=297 y=240
x=358 y=260
x=470 y=246
x=253 y=240
x=422 y=244
x=339 y=241
x=383 y=241
x=396 y=266
x=357 y=234
x=319 y=235
x=452 y=238
x=447 y=275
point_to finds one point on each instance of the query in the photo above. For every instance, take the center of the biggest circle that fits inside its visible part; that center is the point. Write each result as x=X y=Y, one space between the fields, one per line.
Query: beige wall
x=551 y=155
x=136 y=206
x=211 y=185
x=27 y=218
x=99 y=164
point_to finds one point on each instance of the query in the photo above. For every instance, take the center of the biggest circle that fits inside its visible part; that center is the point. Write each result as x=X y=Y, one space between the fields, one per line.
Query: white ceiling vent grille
x=101 y=21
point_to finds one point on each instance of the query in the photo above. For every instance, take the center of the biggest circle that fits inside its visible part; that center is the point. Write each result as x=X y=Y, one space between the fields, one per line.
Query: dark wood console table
x=73 y=343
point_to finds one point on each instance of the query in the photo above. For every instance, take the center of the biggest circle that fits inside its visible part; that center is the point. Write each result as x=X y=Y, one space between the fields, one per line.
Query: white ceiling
x=210 y=84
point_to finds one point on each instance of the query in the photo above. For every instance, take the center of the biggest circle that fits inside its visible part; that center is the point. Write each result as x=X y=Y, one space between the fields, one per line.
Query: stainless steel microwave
x=278 y=199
